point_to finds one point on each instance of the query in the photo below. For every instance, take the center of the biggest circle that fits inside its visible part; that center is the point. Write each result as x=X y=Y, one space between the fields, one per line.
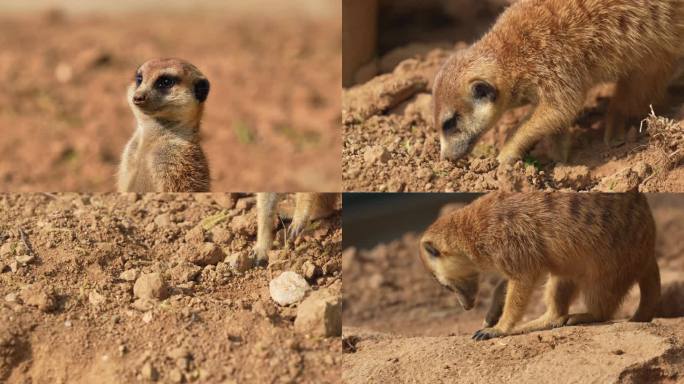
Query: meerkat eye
x=138 y=79
x=165 y=82
x=451 y=123
x=484 y=91
x=430 y=249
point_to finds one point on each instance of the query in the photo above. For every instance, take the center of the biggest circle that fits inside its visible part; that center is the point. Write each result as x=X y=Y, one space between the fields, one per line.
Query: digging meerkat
x=598 y=245
x=550 y=53
x=308 y=207
x=164 y=155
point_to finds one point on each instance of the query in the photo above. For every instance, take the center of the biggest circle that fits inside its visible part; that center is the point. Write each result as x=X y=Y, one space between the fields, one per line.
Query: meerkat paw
x=508 y=157
x=580 y=318
x=488 y=333
x=259 y=256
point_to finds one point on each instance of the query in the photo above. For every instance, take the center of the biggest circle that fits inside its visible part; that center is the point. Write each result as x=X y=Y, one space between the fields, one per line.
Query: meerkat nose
x=139 y=99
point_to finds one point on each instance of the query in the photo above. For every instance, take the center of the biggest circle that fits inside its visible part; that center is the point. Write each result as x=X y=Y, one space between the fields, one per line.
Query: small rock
x=163 y=220
x=623 y=181
x=243 y=225
x=176 y=376
x=178 y=353
x=221 y=236
x=25 y=259
x=143 y=305
x=376 y=154
x=264 y=308
x=11 y=297
x=245 y=203
x=129 y=275
x=7 y=249
x=150 y=286
x=240 y=261
x=310 y=270
x=44 y=298
x=148 y=372
x=195 y=235
x=14 y=266
x=184 y=272
x=147 y=317
x=209 y=254
x=575 y=177
x=96 y=298
x=320 y=315
x=225 y=200
x=288 y=288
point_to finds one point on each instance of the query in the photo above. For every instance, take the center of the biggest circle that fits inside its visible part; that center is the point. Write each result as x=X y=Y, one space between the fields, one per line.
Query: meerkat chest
x=139 y=172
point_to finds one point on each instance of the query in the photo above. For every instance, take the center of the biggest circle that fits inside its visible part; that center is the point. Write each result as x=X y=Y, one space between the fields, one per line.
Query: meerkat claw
x=486 y=334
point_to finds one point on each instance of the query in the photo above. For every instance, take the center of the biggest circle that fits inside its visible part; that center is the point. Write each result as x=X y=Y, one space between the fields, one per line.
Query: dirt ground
x=271 y=121
x=67 y=308
x=401 y=326
x=390 y=144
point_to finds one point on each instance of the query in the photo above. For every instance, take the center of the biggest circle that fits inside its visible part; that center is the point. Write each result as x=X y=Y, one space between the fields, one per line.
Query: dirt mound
x=403 y=326
x=65 y=119
x=391 y=115
x=119 y=288
x=617 y=353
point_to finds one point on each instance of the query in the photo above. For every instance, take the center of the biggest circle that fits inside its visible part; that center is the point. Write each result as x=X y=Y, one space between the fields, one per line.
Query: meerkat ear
x=430 y=249
x=201 y=90
x=482 y=90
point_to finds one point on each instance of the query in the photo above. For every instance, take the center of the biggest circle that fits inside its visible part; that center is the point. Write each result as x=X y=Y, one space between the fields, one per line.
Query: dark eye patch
x=138 y=79
x=430 y=249
x=450 y=124
x=165 y=82
x=484 y=91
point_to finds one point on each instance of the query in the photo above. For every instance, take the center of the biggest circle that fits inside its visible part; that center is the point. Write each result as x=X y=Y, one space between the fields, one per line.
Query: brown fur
x=550 y=53
x=598 y=245
x=164 y=154
x=308 y=207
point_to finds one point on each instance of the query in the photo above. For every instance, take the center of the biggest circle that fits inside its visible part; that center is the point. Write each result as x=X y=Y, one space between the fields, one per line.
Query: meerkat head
x=169 y=89
x=449 y=263
x=468 y=100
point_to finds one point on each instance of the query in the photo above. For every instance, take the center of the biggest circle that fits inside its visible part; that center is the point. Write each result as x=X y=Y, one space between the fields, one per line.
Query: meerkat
x=308 y=207
x=598 y=245
x=164 y=155
x=550 y=53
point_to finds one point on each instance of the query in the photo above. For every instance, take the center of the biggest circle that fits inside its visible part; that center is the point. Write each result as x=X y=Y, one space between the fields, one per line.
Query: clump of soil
x=401 y=325
x=122 y=288
x=390 y=144
x=65 y=119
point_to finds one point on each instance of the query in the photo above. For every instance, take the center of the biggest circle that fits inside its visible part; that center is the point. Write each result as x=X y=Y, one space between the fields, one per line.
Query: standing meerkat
x=164 y=155
x=598 y=245
x=308 y=207
x=550 y=53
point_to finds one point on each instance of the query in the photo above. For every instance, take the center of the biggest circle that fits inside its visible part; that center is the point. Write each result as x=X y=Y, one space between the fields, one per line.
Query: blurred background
x=379 y=33
x=271 y=120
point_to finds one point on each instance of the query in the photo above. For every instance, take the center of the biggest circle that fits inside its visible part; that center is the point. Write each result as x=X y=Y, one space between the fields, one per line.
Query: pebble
x=129 y=275
x=96 y=298
x=25 y=259
x=148 y=372
x=376 y=154
x=320 y=315
x=288 y=288
x=240 y=261
x=151 y=286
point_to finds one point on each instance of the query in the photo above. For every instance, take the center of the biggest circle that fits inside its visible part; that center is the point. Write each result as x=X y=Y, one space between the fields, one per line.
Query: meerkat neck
x=155 y=127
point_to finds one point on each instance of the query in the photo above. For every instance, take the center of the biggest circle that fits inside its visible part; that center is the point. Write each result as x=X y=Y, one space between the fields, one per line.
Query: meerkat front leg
x=517 y=296
x=497 y=304
x=266 y=204
x=546 y=119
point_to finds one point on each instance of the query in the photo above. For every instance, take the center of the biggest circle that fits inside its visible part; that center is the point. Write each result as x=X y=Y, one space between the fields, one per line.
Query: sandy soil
x=390 y=144
x=401 y=326
x=272 y=117
x=68 y=312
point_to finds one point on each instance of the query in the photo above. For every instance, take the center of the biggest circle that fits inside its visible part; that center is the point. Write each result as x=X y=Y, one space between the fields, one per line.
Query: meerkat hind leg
x=559 y=295
x=649 y=287
x=602 y=300
x=310 y=206
x=634 y=94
